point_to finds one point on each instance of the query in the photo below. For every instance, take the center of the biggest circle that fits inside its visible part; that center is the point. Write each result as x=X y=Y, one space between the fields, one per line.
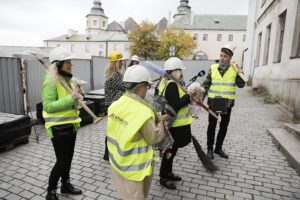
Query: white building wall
x=212 y=47
x=98 y=27
x=287 y=68
x=282 y=79
x=249 y=61
x=85 y=50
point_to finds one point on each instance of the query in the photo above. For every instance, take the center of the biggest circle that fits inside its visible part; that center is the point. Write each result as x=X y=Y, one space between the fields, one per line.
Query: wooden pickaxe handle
x=80 y=102
x=243 y=77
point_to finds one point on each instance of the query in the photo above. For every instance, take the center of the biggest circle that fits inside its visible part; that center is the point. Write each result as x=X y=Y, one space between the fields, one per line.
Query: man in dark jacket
x=220 y=85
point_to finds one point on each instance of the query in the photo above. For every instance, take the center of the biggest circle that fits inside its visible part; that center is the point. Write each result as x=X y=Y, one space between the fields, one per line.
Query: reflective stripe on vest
x=222 y=86
x=131 y=158
x=184 y=116
x=65 y=109
x=59 y=119
x=130 y=168
x=136 y=150
x=68 y=115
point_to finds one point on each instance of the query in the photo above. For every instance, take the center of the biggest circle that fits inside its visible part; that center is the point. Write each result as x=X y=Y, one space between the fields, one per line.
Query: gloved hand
x=164 y=118
x=240 y=70
x=76 y=95
x=80 y=91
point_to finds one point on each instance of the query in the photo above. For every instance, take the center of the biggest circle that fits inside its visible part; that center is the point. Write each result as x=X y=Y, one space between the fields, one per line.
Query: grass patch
x=285 y=118
x=262 y=92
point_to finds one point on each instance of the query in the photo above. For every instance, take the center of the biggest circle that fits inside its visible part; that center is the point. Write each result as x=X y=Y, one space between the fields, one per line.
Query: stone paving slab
x=256 y=169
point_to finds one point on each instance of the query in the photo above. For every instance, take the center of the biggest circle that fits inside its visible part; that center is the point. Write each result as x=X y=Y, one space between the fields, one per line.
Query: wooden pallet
x=14 y=143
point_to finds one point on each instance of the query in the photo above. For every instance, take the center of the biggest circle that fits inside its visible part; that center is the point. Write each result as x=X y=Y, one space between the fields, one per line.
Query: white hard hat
x=173 y=63
x=135 y=58
x=228 y=47
x=59 y=54
x=136 y=74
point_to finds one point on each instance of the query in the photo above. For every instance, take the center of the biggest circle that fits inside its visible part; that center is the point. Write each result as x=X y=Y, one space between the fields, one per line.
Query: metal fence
x=11 y=96
x=99 y=65
x=92 y=71
x=36 y=72
x=35 y=75
x=193 y=67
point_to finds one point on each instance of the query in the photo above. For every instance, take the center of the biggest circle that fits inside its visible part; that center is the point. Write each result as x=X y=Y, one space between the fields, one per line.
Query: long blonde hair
x=52 y=71
x=111 y=69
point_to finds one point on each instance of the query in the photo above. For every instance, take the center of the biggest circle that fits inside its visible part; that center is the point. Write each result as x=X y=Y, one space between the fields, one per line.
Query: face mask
x=177 y=74
x=63 y=73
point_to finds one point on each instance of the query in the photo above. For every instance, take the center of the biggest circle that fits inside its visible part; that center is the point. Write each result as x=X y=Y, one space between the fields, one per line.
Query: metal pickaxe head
x=32 y=55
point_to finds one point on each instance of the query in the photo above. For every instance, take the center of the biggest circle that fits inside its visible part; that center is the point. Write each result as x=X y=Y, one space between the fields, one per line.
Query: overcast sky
x=29 y=22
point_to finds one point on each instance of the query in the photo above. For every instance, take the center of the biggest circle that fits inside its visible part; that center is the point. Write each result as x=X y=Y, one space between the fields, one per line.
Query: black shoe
x=68 y=188
x=168 y=184
x=52 y=195
x=173 y=177
x=221 y=153
x=210 y=154
x=105 y=157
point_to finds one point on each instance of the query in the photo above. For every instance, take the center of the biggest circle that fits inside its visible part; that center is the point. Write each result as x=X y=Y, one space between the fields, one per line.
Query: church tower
x=183 y=9
x=96 y=20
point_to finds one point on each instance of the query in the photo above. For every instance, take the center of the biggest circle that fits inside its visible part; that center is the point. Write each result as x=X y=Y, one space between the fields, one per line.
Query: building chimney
x=71 y=33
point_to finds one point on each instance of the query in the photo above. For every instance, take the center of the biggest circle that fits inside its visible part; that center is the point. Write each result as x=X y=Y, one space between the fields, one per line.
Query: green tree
x=144 y=40
x=183 y=41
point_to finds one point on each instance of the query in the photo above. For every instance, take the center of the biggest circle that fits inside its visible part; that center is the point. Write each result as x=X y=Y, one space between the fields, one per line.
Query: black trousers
x=106 y=148
x=225 y=118
x=167 y=164
x=64 y=150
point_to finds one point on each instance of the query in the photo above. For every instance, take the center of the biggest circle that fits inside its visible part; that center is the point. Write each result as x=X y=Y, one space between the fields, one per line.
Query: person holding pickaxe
x=220 y=85
x=62 y=120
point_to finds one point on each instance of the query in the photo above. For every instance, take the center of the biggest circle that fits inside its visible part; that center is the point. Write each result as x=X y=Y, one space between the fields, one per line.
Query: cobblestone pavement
x=255 y=168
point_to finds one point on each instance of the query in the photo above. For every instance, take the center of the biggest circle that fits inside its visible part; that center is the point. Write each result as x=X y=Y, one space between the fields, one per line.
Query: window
x=230 y=37
x=87 y=23
x=127 y=47
x=101 y=46
x=258 y=48
x=57 y=45
x=103 y=24
x=267 y=45
x=217 y=22
x=115 y=47
x=195 y=36
x=281 y=28
x=296 y=36
x=94 y=22
x=205 y=37
x=262 y=3
x=219 y=37
x=87 y=48
x=298 y=49
x=244 y=37
x=72 y=47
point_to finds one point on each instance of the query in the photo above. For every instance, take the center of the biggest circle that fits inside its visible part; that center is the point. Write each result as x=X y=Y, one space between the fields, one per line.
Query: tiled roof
x=115 y=26
x=212 y=22
x=108 y=35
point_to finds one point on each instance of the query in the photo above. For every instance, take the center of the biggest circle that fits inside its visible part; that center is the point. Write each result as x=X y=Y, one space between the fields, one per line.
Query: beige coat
x=138 y=190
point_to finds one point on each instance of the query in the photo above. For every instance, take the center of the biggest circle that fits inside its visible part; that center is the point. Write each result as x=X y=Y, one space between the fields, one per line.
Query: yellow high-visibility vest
x=130 y=158
x=184 y=116
x=222 y=86
x=67 y=115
